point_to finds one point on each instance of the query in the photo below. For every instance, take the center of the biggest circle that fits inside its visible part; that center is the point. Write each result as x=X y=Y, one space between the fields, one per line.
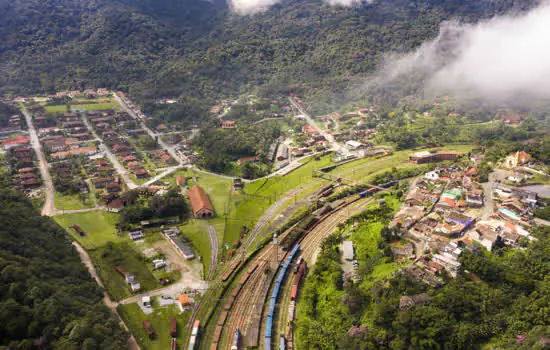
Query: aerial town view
x=250 y=174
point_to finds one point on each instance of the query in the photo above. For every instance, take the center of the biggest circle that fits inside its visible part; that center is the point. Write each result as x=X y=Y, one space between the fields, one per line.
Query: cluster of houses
x=21 y=161
x=446 y=210
x=14 y=126
x=133 y=284
x=64 y=137
x=101 y=92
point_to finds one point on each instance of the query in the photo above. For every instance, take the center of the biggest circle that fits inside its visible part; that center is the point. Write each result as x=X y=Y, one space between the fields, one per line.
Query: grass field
x=132 y=261
x=217 y=188
x=72 y=202
x=368 y=167
x=98 y=225
x=89 y=105
x=196 y=231
x=260 y=195
x=160 y=321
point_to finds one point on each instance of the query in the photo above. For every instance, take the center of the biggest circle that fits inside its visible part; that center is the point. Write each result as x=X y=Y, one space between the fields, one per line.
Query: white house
x=432 y=175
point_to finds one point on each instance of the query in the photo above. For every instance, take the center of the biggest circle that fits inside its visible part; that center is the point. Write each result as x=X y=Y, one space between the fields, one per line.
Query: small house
x=184 y=302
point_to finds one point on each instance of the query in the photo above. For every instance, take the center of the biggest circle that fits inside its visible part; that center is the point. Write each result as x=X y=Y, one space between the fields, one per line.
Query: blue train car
x=363 y=194
x=268 y=326
x=274 y=295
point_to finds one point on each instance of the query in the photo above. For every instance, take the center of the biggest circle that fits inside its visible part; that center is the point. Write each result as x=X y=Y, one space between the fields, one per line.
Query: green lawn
x=88 y=105
x=196 y=231
x=218 y=188
x=72 y=202
x=363 y=169
x=160 y=321
x=98 y=225
x=258 y=196
x=131 y=260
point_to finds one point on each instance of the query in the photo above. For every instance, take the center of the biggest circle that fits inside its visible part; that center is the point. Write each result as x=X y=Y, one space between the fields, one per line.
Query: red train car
x=173 y=327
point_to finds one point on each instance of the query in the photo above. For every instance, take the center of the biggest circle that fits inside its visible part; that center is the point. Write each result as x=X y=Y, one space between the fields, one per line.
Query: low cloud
x=250 y=7
x=346 y=3
x=497 y=60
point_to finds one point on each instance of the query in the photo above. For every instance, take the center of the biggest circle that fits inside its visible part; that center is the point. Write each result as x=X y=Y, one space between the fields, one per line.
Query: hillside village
x=446 y=210
x=173 y=226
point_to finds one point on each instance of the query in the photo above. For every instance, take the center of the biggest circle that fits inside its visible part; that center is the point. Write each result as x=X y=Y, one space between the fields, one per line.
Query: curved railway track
x=244 y=308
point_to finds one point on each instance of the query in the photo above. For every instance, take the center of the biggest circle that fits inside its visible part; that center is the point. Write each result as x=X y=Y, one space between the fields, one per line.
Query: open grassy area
x=98 y=225
x=160 y=321
x=131 y=260
x=73 y=201
x=196 y=231
x=218 y=188
x=367 y=167
x=89 y=105
x=258 y=196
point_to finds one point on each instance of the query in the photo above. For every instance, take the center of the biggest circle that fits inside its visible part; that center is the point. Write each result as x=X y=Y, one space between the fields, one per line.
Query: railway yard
x=272 y=272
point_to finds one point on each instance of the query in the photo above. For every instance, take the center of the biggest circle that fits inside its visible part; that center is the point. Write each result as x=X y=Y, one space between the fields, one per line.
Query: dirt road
x=85 y=258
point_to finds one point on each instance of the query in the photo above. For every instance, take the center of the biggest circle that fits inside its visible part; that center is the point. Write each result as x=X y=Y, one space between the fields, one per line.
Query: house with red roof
x=516 y=159
x=14 y=142
x=309 y=129
x=200 y=203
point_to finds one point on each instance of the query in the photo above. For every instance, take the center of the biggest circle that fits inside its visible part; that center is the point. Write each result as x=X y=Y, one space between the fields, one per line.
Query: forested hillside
x=46 y=294
x=200 y=51
x=499 y=299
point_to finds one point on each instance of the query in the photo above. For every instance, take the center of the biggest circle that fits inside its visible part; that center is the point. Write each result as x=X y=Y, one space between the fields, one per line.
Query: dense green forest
x=222 y=147
x=499 y=296
x=47 y=296
x=199 y=51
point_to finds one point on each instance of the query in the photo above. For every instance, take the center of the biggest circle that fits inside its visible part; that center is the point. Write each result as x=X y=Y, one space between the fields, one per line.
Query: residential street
x=49 y=206
x=494 y=177
x=116 y=164
x=334 y=145
x=157 y=137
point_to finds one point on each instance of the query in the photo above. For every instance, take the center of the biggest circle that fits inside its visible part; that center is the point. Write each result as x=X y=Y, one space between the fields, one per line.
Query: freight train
x=229 y=304
x=275 y=294
x=194 y=334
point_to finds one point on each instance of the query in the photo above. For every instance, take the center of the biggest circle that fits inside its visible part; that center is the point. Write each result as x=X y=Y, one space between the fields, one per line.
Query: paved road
x=49 y=206
x=166 y=172
x=85 y=258
x=334 y=145
x=336 y=123
x=155 y=136
x=214 y=246
x=116 y=164
x=542 y=222
x=488 y=187
x=61 y=211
